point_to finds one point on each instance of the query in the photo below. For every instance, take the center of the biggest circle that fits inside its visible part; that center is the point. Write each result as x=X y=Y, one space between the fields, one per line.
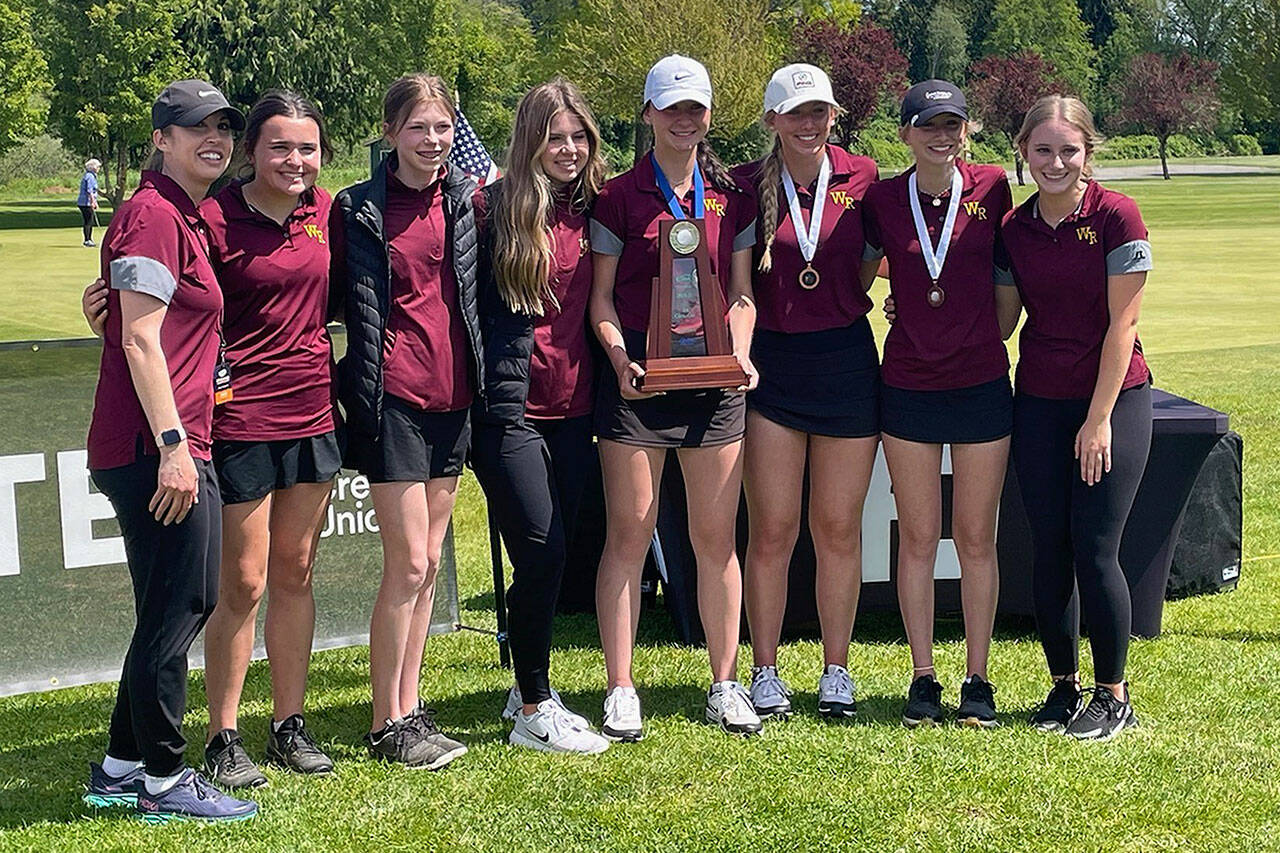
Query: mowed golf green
x=1201 y=773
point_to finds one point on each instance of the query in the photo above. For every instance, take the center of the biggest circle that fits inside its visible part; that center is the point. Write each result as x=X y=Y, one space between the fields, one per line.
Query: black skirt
x=249 y=470
x=822 y=383
x=413 y=445
x=956 y=416
x=675 y=419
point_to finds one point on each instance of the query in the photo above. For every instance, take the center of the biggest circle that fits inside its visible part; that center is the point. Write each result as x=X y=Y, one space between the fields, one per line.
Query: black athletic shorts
x=413 y=445
x=249 y=470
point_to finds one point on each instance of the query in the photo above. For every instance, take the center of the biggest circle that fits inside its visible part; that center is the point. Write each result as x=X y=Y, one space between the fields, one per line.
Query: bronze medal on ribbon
x=936 y=296
x=809 y=277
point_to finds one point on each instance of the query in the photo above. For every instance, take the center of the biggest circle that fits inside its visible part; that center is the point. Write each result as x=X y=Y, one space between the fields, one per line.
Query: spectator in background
x=87 y=200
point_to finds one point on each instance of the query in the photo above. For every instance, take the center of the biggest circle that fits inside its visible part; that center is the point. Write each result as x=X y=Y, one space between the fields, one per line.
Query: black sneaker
x=442 y=748
x=1063 y=704
x=1104 y=718
x=227 y=763
x=398 y=742
x=924 y=703
x=977 y=703
x=293 y=748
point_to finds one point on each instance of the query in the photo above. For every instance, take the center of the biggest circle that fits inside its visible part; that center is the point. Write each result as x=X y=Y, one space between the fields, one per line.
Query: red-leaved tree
x=1003 y=88
x=864 y=65
x=1163 y=96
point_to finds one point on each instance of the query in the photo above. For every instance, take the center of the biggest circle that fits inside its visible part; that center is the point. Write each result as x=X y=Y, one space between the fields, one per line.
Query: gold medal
x=684 y=237
x=936 y=296
x=809 y=277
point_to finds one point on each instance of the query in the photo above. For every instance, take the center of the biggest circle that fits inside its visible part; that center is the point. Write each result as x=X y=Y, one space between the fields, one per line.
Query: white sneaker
x=552 y=729
x=622 y=715
x=835 y=693
x=729 y=706
x=515 y=704
x=770 y=695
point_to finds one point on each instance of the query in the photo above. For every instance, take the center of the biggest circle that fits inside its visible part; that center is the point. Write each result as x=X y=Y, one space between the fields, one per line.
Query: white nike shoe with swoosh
x=622 y=715
x=551 y=729
x=515 y=703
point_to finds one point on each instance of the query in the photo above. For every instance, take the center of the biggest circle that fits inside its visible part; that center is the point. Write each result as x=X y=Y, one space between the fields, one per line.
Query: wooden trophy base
x=692 y=373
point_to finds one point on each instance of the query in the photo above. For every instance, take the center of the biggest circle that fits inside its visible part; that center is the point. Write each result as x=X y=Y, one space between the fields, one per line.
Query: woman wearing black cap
x=149 y=450
x=946 y=380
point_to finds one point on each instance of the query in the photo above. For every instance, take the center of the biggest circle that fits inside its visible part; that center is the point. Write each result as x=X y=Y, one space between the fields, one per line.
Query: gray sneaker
x=293 y=748
x=835 y=693
x=442 y=749
x=770 y=695
x=399 y=743
x=227 y=763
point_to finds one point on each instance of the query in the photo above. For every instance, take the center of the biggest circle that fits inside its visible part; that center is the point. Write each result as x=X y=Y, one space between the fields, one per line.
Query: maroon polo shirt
x=157 y=244
x=782 y=305
x=275 y=285
x=959 y=344
x=425 y=351
x=625 y=222
x=561 y=370
x=1061 y=274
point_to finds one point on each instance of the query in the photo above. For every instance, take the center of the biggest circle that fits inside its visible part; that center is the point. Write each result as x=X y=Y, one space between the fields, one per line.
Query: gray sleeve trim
x=1004 y=277
x=604 y=241
x=871 y=253
x=1134 y=256
x=746 y=238
x=143 y=275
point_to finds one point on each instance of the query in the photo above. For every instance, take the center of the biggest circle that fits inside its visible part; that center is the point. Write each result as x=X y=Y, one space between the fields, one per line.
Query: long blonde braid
x=767 y=177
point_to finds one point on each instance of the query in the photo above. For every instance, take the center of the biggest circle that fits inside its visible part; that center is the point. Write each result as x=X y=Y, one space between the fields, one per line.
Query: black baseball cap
x=929 y=98
x=186 y=103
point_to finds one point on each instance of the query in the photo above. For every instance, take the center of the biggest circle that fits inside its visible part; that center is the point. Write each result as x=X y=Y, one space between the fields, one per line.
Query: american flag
x=469 y=154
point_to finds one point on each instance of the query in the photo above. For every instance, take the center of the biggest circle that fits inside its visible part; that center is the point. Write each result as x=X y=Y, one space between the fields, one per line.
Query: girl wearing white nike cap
x=819 y=381
x=680 y=178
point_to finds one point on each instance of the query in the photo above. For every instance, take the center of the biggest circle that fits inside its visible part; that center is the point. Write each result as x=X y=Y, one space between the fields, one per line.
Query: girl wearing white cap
x=819 y=381
x=680 y=178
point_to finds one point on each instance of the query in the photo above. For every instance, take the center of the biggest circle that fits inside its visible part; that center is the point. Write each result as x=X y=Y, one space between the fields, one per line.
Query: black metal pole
x=499 y=592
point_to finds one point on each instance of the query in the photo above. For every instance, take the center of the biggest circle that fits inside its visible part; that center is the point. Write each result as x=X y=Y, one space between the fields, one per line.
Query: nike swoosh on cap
x=681 y=75
x=205 y=93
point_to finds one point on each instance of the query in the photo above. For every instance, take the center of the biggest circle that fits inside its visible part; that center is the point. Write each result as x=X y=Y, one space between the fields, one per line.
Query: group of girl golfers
x=474 y=320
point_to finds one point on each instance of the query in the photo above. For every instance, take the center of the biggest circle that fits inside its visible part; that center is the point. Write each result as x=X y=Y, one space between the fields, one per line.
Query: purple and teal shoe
x=193 y=798
x=105 y=792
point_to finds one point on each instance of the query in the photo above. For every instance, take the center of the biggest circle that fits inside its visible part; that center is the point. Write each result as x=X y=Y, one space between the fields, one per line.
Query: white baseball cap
x=793 y=85
x=677 y=78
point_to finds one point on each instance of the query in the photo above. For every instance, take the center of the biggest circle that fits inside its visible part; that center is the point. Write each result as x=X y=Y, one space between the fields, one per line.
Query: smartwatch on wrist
x=170 y=437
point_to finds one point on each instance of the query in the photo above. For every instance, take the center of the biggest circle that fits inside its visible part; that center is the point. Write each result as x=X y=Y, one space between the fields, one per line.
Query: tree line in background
x=1198 y=76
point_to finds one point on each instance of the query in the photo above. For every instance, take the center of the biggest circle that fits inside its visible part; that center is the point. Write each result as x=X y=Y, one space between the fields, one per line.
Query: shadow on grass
x=45 y=214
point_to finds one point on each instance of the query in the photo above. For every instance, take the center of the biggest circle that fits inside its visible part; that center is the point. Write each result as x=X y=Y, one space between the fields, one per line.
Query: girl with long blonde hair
x=531 y=442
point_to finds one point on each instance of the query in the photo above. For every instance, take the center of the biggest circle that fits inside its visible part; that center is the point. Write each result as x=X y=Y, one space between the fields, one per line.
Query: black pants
x=175 y=586
x=86 y=218
x=1076 y=528
x=533 y=476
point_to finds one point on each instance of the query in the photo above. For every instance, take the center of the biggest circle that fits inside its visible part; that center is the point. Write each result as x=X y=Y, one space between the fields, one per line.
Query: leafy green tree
x=498 y=63
x=23 y=77
x=946 y=44
x=1200 y=27
x=109 y=59
x=608 y=48
x=1051 y=28
x=1251 y=77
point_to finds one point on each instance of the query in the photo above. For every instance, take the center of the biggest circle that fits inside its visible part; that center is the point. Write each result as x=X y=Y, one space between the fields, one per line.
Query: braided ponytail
x=713 y=169
x=767 y=177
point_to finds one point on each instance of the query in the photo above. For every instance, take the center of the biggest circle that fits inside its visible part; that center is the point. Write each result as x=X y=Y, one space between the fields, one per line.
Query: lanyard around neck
x=935 y=259
x=673 y=204
x=808 y=239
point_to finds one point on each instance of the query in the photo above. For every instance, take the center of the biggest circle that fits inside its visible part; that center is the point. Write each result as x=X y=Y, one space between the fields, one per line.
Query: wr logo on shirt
x=1086 y=234
x=843 y=198
x=713 y=206
x=584 y=247
x=314 y=232
x=973 y=208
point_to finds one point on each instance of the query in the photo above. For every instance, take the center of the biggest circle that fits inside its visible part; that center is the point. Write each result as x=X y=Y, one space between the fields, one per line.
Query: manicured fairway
x=1202 y=773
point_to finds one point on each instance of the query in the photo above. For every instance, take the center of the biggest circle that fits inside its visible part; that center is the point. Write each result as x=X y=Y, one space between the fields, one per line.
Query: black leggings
x=1076 y=528
x=175 y=587
x=533 y=476
x=86 y=219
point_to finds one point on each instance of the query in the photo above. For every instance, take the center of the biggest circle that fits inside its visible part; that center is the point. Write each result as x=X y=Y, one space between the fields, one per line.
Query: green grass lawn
x=1202 y=773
